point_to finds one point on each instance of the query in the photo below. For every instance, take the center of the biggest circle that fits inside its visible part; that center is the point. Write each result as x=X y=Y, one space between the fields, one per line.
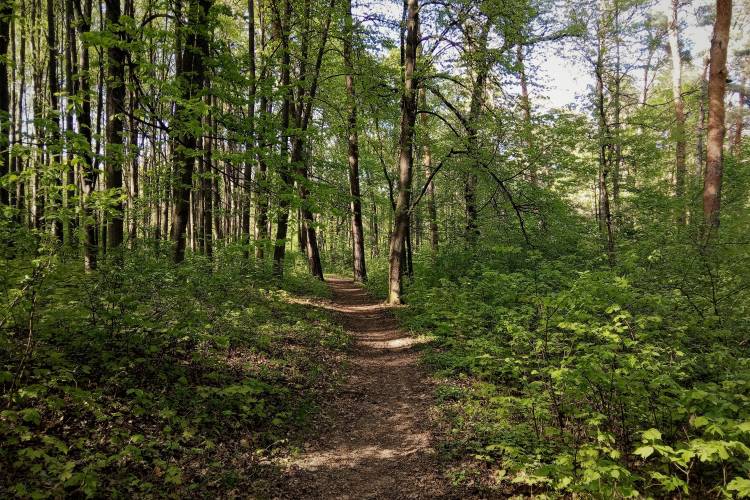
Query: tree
x=6 y=16
x=191 y=80
x=405 y=158
x=679 y=109
x=115 y=157
x=717 y=81
x=358 y=235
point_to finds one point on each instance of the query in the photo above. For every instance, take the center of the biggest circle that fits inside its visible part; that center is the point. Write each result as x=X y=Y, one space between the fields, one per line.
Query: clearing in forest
x=373 y=439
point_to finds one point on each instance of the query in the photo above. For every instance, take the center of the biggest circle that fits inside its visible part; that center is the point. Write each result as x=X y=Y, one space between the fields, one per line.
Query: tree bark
x=191 y=78
x=717 y=81
x=358 y=236
x=700 y=148
x=526 y=110
x=427 y=166
x=248 y=173
x=475 y=110
x=605 y=139
x=282 y=221
x=114 y=131
x=739 y=120
x=406 y=144
x=70 y=92
x=679 y=110
x=53 y=144
x=6 y=17
x=88 y=168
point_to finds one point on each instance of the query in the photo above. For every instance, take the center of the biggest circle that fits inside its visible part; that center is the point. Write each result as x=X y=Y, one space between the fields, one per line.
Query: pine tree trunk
x=717 y=81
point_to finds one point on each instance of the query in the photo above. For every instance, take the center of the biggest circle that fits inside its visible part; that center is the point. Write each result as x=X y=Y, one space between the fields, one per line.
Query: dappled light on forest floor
x=374 y=437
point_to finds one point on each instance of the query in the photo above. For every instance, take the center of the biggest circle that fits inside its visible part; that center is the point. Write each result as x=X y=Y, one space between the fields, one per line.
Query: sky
x=559 y=78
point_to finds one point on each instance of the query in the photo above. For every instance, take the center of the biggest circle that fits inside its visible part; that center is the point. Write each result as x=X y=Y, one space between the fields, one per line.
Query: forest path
x=373 y=438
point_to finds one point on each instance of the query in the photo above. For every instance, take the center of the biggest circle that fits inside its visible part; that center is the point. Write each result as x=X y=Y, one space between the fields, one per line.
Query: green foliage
x=574 y=379
x=149 y=379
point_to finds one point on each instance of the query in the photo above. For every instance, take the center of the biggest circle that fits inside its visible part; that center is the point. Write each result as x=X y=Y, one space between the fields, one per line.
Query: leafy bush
x=567 y=379
x=144 y=378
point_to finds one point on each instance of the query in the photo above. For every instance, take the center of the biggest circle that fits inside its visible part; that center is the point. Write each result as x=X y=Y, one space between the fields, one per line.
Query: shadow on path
x=373 y=439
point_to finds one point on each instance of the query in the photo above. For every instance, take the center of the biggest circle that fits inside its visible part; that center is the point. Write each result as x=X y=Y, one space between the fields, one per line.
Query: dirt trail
x=373 y=438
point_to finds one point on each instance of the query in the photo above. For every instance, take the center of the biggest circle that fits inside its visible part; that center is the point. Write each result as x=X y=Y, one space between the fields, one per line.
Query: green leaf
x=741 y=485
x=644 y=451
x=31 y=415
x=652 y=435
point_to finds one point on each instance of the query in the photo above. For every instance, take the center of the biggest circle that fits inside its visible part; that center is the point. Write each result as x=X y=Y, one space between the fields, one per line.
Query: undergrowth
x=146 y=378
x=563 y=377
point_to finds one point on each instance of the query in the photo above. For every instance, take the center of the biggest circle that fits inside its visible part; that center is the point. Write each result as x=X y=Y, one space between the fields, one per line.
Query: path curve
x=373 y=438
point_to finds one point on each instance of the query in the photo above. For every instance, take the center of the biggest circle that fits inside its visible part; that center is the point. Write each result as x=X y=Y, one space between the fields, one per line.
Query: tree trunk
x=53 y=144
x=70 y=92
x=740 y=120
x=115 y=109
x=717 y=81
x=406 y=143
x=21 y=186
x=282 y=221
x=358 y=236
x=191 y=78
x=526 y=110
x=427 y=166
x=132 y=146
x=248 y=174
x=475 y=111
x=6 y=16
x=88 y=168
x=206 y=195
x=261 y=196
x=605 y=139
x=700 y=149
x=679 y=110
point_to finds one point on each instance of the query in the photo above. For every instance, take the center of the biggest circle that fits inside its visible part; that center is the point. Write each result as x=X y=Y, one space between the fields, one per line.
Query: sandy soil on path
x=373 y=439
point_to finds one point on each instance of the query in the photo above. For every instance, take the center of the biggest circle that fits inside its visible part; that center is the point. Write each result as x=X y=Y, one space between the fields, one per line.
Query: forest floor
x=374 y=436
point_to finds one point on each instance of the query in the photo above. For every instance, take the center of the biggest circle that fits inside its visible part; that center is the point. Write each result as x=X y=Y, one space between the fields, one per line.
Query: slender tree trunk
x=70 y=92
x=616 y=136
x=115 y=109
x=6 y=16
x=282 y=221
x=18 y=160
x=191 y=77
x=133 y=149
x=358 y=236
x=526 y=110
x=700 y=148
x=739 y=120
x=206 y=195
x=88 y=168
x=261 y=196
x=475 y=110
x=427 y=166
x=605 y=212
x=53 y=144
x=679 y=110
x=248 y=174
x=406 y=143
x=717 y=82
